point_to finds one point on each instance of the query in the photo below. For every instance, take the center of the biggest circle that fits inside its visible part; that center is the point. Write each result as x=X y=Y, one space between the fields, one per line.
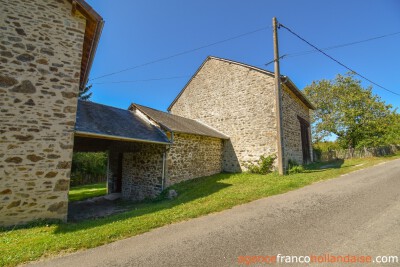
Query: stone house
x=239 y=101
x=46 y=51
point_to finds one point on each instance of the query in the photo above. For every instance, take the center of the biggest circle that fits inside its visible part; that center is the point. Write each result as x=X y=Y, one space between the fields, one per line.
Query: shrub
x=294 y=167
x=263 y=166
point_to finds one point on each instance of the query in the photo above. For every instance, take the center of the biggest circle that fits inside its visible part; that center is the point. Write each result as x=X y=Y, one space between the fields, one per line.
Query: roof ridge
x=167 y=113
x=100 y=104
x=98 y=120
x=158 y=119
x=242 y=64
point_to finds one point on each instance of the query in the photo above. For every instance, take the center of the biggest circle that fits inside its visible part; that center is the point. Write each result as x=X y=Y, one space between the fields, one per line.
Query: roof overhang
x=285 y=80
x=94 y=27
x=116 y=138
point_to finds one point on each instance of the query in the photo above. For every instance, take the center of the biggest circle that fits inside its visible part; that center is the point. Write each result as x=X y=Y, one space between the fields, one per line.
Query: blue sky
x=137 y=32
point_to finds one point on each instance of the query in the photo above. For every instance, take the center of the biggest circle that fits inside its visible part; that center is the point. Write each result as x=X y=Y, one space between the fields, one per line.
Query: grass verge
x=196 y=198
x=82 y=192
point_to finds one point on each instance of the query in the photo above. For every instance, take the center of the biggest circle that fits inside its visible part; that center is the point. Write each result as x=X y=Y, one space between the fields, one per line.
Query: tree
x=88 y=168
x=85 y=95
x=393 y=135
x=353 y=113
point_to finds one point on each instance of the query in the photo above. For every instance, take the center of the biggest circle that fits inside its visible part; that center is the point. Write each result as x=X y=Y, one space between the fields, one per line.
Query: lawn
x=82 y=192
x=196 y=198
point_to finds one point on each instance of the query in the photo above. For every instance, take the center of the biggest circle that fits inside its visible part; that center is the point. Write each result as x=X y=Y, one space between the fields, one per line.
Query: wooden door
x=305 y=140
x=305 y=143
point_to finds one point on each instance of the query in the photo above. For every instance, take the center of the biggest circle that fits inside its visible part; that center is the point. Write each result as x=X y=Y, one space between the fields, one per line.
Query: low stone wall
x=40 y=61
x=193 y=156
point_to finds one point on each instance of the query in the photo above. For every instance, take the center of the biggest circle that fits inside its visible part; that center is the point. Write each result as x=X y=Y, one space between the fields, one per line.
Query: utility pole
x=278 y=93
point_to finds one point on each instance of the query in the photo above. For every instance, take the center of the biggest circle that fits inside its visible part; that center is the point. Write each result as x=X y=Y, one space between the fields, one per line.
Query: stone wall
x=291 y=108
x=142 y=171
x=237 y=101
x=189 y=157
x=193 y=156
x=40 y=61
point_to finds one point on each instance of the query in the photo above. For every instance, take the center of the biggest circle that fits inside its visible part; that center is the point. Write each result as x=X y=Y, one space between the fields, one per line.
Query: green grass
x=196 y=198
x=82 y=192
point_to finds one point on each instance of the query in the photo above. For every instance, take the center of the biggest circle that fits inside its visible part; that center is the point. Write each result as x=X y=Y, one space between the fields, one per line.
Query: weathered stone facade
x=237 y=101
x=240 y=101
x=142 y=172
x=192 y=156
x=40 y=55
x=292 y=108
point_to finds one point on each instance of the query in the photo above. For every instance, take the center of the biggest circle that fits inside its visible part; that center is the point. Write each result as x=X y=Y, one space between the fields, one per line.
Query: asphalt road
x=356 y=214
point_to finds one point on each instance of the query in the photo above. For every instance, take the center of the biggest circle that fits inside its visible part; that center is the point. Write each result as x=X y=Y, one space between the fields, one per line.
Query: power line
x=181 y=53
x=301 y=53
x=337 y=61
x=341 y=45
x=143 y=80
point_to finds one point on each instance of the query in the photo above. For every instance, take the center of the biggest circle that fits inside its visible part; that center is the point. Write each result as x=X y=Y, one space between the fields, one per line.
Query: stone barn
x=239 y=101
x=46 y=51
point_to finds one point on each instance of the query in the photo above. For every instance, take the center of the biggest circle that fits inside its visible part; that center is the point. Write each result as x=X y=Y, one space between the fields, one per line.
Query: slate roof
x=179 y=124
x=97 y=119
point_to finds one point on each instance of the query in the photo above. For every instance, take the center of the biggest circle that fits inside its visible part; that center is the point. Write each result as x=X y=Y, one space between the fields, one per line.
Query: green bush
x=263 y=166
x=326 y=146
x=294 y=167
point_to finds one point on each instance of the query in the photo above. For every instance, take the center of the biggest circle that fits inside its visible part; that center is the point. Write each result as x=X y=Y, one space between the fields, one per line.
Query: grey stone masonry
x=142 y=172
x=192 y=156
x=40 y=62
x=237 y=101
x=293 y=108
x=240 y=101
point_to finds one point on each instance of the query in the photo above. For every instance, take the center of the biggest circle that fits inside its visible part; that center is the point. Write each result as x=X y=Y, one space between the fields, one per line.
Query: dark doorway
x=118 y=182
x=305 y=140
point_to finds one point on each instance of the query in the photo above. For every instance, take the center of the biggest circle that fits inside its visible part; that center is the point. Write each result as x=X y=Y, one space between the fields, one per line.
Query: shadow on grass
x=187 y=191
x=323 y=166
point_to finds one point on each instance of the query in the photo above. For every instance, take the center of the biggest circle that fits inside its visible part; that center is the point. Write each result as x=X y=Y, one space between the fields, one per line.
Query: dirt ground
x=93 y=208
